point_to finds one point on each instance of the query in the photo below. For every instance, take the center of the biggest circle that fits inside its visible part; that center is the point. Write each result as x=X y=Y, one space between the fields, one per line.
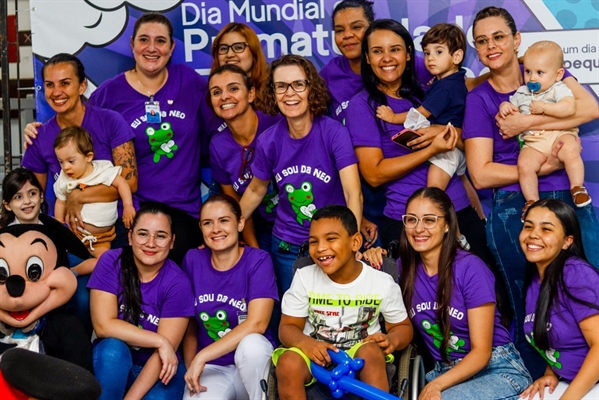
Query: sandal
x=580 y=196
x=525 y=209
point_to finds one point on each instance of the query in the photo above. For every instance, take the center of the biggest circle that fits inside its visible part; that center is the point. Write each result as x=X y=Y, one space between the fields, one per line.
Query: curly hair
x=258 y=72
x=318 y=98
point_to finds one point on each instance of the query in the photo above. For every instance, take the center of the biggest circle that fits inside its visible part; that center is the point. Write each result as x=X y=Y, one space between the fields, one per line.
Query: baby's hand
x=506 y=108
x=537 y=107
x=385 y=113
x=128 y=215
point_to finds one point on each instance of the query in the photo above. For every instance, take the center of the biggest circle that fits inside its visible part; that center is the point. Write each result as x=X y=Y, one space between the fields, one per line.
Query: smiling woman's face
x=388 y=56
x=349 y=26
x=229 y=95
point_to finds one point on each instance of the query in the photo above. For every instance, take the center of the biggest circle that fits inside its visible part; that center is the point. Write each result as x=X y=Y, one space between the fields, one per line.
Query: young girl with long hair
x=22 y=198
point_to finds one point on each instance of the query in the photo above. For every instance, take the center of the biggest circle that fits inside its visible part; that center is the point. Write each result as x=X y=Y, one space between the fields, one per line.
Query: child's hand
x=316 y=351
x=506 y=108
x=382 y=341
x=537 y=107
x=385 y=113
x=128 y=215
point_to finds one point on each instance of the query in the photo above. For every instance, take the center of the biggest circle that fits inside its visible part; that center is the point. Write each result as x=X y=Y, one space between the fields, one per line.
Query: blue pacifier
x=534 y=86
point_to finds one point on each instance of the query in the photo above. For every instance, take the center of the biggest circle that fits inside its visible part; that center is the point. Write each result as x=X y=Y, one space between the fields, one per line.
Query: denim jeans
x=116 y=371
x=79 y=303
x=504 y=377
x=503 y=231
x=283 y=263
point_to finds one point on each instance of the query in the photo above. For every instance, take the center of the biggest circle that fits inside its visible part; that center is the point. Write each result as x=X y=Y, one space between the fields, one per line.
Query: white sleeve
x=393 y=308
x=295 y=300
x=60 y=187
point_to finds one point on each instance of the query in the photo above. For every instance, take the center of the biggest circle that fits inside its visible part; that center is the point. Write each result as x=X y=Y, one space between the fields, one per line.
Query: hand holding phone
x=407 y=135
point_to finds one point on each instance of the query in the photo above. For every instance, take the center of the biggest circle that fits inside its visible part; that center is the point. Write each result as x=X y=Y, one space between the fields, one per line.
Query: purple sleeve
x=582 y=281
x=105 y=276
x=178 y=296
x=33 y=160
x=262 y=278
x=262 y=167
x=343 y=149
x=120 y=131
x=218 y=173
x=478 y=121
x=478 y=284
x=361 y=122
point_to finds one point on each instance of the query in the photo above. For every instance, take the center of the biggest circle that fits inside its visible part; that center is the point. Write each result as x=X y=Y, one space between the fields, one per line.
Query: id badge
x=241 y=316
x=152 y=112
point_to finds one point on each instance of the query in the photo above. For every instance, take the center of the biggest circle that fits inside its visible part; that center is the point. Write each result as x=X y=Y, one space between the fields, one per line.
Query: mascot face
x=31 y=282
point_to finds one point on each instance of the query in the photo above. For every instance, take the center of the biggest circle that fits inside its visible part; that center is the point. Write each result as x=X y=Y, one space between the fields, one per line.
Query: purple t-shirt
x=568 y=347
x=168 y=153
x=306 y=172
x=366 y=130
x=474 y=286
x=227 y=159
x=445 y=99
x=221 y=297
x=344 y=83
x=482 y=105
x=107 y=129
x=168 y=295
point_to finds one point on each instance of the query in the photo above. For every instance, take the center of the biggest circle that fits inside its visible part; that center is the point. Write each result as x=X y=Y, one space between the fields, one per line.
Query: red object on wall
x=12 y=39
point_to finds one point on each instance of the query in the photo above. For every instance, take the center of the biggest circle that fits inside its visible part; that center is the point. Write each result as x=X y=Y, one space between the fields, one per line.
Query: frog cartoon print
x=216 y=326
x=454 y=344
x=302 y=201
x=161 y=141
x=550 y=355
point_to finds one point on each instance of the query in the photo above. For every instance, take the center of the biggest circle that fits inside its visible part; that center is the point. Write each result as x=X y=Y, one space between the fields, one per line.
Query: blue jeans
x=79 y=303
x=504 y=377
x=116 y=371
x=503 y=231
x=283 y=263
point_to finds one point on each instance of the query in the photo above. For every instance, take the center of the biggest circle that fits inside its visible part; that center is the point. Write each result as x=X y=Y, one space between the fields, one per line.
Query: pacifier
x=534 y=86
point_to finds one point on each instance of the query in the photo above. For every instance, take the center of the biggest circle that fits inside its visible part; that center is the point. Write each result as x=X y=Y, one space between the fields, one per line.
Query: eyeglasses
x=238 y=47
x=428 y=221
x=161 y=239
x=247 y=155
x=499 y=38
x=298 y=86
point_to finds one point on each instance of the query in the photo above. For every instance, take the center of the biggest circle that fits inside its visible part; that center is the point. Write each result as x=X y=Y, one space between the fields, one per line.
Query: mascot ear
x=44 y=377
x=64 y=239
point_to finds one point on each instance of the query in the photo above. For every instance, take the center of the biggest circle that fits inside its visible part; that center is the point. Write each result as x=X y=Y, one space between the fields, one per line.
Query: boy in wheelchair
x=335 y=304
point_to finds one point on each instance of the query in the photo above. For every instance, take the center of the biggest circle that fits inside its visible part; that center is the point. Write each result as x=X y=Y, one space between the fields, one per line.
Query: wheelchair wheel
x=410 y=374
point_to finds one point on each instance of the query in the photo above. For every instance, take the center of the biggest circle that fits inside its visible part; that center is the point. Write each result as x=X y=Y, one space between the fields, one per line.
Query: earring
x=446 y=230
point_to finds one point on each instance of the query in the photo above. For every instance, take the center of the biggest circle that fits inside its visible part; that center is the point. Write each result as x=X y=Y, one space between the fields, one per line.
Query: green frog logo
x=433 y=330
x=301 y=201
x=216 y=326
x=271 y=200
x=551 y=355
x=161 y=141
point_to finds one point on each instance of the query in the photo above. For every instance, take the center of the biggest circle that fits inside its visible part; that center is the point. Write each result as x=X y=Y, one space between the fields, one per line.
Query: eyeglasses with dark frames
x=298 y=86
x=428 y=221
x=499 y=38
x=247 y=155
x=238 y=47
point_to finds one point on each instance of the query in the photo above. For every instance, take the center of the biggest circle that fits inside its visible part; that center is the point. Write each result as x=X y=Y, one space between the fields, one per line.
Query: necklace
x=150 y=94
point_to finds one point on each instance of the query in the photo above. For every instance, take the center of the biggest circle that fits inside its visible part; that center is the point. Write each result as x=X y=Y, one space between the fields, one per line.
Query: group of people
x=286 y=144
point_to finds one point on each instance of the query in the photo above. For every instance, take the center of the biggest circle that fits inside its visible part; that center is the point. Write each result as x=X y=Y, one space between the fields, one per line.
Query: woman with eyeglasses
x=492 y=153
x=450 y=296
x=232 y=95
x=140 y=305
x=309 y=157
x=227 y=346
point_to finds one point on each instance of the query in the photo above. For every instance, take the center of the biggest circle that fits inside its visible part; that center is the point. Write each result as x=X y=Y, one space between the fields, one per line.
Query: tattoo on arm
x=124 y=156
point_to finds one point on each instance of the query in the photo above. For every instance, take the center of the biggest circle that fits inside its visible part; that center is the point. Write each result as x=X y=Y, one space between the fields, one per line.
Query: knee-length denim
x=504 y=377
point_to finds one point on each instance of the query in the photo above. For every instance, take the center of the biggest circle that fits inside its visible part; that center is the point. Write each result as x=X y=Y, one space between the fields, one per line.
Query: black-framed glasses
x=161 y=239
x=247 y=155
x=428 y=221
x=238 y=47
x=298 y=86
x=499 y=38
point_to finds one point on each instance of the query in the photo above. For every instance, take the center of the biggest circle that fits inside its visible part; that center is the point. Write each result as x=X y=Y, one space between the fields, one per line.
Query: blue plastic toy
x=342 y=378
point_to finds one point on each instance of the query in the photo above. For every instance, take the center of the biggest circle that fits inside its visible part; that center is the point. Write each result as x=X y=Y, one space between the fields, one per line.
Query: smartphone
x=407 y=135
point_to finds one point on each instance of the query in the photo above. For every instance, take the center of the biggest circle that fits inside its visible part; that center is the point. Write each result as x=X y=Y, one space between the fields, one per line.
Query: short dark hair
x=448 y=34
x=493 y=11
x=236 y=69
x=78 y=135
x=153 y=17
x=69 y=59
x=365 y=5
x=318 y=99
x=341 y=213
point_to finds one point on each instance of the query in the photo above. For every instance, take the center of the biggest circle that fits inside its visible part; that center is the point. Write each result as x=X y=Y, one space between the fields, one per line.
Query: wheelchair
x=406 y=375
